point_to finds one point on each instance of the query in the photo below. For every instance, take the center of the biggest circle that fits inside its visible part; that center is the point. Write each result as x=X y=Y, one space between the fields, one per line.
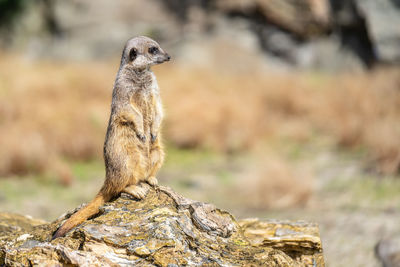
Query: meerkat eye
x=132 y=54
x=153 y=50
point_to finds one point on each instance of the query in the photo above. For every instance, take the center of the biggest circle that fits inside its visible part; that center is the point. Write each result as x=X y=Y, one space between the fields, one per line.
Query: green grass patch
x=190 y=158
x=369 y=191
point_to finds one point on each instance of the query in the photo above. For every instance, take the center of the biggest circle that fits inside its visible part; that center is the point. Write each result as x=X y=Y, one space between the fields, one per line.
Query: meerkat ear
x=132 y=54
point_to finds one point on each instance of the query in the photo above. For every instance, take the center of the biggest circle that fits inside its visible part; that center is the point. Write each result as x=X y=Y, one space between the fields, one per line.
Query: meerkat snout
x=158 y=54
x=167 y=57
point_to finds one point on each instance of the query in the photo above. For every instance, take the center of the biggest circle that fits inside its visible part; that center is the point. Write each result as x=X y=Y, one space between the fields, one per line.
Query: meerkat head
x=142 y=53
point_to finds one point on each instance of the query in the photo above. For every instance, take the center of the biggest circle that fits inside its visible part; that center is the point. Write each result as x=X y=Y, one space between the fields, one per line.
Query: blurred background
x=278 y=109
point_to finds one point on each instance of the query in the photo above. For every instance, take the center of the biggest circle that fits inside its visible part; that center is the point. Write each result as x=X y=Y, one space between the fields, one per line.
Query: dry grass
x=270 y=182
x=51 y=111
x=232 y=112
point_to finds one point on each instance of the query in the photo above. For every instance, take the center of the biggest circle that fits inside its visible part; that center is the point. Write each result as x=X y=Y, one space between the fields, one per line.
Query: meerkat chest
x=145 y=98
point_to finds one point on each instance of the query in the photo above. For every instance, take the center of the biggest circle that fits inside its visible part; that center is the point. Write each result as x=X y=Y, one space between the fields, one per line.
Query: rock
x=351 y=26
x=164 y=229
x=383 y=22
x=306 y=34
x=300 y=240
x=81 y=29
x=304 y=18
x=388 y=251
x=283 y=28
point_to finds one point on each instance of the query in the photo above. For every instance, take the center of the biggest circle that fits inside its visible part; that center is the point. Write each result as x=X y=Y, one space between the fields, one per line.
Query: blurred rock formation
x=164 y=229
x=327 y=34
x=388 y=251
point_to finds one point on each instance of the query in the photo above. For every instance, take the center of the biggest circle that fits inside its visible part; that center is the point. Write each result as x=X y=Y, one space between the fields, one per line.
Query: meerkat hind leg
x=157 y=158
x=138 y=191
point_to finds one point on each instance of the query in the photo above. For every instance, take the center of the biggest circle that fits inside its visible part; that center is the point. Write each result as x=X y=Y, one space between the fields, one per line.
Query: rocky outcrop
x=164 y=229
x=327 y=34
x=303 y=18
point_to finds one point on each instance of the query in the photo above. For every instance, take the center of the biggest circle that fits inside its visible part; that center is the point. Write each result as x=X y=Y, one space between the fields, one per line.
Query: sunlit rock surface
x=165 y=229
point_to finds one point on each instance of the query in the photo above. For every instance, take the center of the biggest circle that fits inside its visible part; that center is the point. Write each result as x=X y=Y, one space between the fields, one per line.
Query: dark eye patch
x=153 y=50
x=132 y=54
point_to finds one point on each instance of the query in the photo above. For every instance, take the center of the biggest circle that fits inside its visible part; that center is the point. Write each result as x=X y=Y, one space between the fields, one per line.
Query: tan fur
x=133 y=152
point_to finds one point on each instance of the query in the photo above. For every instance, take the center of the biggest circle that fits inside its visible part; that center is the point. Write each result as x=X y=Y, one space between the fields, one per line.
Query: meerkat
x=133 y=151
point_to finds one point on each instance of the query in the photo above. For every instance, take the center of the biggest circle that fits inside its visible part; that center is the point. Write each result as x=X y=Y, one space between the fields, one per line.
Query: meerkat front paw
x=136 y=191
x=152 y=181
x=153 y=137
x=141 y=137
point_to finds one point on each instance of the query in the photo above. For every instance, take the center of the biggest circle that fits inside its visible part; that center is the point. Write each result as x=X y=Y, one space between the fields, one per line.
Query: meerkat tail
x=83 y=214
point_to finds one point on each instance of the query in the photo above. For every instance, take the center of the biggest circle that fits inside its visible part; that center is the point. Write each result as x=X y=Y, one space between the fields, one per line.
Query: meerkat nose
x=168 y=57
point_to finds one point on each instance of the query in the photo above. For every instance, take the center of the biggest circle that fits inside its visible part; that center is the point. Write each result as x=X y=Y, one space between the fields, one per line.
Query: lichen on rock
x=164 y=229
